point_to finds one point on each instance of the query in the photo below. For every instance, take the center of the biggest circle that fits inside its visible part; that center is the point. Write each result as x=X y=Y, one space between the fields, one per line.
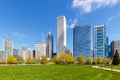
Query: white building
x=8 y=46
x=40 y=49
x=61 y=34
x=24 y=52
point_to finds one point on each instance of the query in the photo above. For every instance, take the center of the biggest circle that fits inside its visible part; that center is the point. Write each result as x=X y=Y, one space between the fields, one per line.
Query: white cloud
x=86 y=6
x=114 y=17
x=19 y=35
x=72 y=23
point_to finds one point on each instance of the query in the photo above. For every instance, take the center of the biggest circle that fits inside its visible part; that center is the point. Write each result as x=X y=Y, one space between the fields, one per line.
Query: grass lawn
x=113 y=66
x=55 y=72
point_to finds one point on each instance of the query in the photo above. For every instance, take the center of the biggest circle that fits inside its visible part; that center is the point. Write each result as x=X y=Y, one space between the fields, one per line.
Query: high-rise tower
x=61 y=34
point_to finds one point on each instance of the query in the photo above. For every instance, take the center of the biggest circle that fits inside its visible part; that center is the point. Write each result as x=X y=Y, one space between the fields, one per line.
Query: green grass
x=113 y=66
x=55 y=72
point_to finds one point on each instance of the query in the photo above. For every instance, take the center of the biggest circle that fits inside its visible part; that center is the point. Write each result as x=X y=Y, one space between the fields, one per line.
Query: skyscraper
x=81 y=40
x=99 y=41
x=115 y=45
x=61 y=34
x=49 y=42
x=8 y=46
x=40 y=49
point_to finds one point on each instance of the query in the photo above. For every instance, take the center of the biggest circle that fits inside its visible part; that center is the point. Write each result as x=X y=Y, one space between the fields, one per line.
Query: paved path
x=115 y=70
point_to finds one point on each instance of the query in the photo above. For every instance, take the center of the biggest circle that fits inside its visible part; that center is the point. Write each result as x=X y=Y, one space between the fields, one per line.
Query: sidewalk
x=115 y=70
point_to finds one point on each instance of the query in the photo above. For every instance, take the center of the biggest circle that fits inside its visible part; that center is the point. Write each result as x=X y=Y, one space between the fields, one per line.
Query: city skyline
x=25 y=22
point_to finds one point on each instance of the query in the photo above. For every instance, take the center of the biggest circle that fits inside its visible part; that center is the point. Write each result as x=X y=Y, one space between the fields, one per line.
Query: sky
x=28 y=21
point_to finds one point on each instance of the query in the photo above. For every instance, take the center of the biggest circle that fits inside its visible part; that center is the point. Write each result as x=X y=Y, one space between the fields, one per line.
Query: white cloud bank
x=86 y=6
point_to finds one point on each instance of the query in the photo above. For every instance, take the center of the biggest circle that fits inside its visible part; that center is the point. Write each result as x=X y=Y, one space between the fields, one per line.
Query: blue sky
x=25 y=21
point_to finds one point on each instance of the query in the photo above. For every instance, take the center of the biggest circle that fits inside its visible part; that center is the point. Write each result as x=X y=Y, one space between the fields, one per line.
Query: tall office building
x=100 y=41
x=49 y=42
x=61 y=34
x=81 y=40
x=40 y=49
x=23 y=52
x=8 y=46
x=115 y=45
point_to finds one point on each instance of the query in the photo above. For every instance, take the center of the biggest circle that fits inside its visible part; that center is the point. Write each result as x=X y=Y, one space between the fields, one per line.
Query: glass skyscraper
x=100 y=42
x=49 y=41
x=81 y=40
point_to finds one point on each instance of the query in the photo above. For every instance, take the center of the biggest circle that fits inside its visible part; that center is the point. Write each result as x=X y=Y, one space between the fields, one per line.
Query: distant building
x=8 y=46
x=16 y=53
x=40 y=49
x=2 y=55
x=30 y=54
x=24 y=52
x=49 y=42
x=33 y=53
x=61 y=34
x=115 y=45
x=100 y=42
x=81 y=40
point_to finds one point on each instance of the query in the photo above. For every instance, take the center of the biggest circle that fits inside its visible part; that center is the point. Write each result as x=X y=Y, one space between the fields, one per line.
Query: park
x=55 y=72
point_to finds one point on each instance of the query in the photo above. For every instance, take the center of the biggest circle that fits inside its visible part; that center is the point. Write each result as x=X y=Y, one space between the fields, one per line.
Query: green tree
x=116 y=58
x=43 y=60
x=11 y=60
x=99 y=60
x=88 y=60
x=80 y=59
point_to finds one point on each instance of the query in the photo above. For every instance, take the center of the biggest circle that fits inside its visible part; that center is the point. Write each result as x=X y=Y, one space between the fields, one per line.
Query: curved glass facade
x=81 y=40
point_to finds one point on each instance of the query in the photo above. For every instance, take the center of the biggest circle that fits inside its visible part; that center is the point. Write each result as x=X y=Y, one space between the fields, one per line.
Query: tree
x=107 y=60
x=62 y=58
x=43 y=60
x=20 y=60
x=11 y=60
x=55 y=59
x=80 y=59
x=88 y=61
x=99 y=60
x=116 y=58
x=69 y=59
